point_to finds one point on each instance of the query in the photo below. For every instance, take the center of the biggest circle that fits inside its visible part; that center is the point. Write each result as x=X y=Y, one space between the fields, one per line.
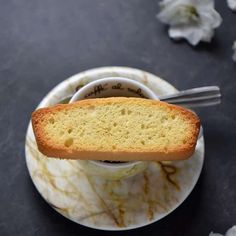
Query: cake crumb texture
x=116 y=129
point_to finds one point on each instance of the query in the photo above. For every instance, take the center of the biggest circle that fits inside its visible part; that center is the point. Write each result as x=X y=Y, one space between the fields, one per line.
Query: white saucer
x=111 y=205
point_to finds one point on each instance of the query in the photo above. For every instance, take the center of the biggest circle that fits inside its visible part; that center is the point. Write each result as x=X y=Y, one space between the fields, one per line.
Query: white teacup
x=113 y=87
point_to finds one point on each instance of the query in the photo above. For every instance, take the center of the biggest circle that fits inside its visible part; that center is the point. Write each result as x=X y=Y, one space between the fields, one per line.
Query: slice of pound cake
x=116 y=129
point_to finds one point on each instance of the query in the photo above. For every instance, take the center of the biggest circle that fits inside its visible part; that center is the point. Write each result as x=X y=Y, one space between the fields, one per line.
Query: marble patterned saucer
x=105 y=204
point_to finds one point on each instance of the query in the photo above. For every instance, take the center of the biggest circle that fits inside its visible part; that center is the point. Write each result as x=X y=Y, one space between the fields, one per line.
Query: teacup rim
x=152 y=95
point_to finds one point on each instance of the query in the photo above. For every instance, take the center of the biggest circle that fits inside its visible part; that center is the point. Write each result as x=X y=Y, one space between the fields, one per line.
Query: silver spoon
x=196 y=97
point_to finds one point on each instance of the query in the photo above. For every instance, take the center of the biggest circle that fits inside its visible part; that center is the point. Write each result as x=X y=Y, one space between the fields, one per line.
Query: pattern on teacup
x=101 y=88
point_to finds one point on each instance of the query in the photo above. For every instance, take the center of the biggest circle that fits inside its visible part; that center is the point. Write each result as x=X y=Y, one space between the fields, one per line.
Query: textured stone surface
x=44 y=42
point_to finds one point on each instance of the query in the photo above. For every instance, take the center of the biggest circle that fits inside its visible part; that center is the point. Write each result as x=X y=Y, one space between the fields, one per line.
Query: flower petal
x=231 y=231
x=211 y=17
x=232 y=4
x=234 y=58
x=205 y=3
x=191 y=34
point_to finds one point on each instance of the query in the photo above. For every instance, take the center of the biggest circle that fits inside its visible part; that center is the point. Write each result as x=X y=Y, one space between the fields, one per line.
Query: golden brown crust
x=49 y=148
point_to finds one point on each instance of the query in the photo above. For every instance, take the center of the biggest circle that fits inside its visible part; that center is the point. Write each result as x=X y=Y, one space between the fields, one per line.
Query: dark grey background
x=44 y=42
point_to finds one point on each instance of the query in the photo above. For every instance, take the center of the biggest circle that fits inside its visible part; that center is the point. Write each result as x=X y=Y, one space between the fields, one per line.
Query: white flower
x=194 y=20
x=234 y=48
x=230 y=232
x=232 y=4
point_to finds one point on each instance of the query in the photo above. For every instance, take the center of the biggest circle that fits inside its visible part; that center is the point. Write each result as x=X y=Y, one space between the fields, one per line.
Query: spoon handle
x=196 y=97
